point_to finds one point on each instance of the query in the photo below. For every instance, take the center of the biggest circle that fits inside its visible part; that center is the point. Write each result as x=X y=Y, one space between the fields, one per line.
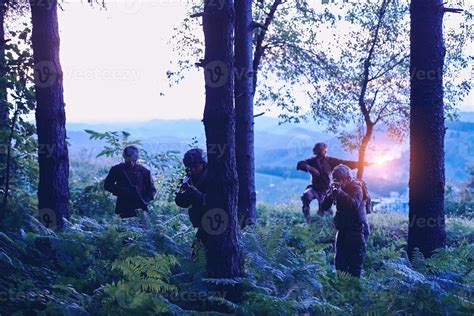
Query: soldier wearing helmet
x=320 y=167
x=350 y=220
x=131 y=183
x=193 y=189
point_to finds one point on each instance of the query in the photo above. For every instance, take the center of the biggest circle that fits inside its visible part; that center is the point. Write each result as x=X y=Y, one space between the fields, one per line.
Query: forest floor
x=140 y=266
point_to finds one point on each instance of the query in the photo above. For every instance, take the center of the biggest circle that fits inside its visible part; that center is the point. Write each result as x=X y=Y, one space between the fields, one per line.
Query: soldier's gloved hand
x=335 y=189
x=192 y=189
x=302 y=165
x=194 y=193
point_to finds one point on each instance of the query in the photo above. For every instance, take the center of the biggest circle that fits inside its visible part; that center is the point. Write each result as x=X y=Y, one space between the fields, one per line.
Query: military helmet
x=194 y=156
x=319 y=147
x=130 y=153
x=341 y=172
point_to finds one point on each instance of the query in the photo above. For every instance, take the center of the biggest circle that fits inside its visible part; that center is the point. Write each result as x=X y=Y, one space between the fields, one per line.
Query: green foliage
x=287 y=54
x=167 y=170
x=144 y=266
x=115 y=142
x=460 y=201
x=19 y=146
x=144 y=280
x=92 y=200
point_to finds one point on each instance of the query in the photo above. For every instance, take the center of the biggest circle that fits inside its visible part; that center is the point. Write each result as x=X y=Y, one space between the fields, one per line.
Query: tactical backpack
x=366 y=197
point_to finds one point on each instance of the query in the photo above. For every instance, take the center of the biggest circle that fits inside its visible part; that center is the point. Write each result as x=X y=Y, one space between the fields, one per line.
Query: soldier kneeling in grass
x=320 y=167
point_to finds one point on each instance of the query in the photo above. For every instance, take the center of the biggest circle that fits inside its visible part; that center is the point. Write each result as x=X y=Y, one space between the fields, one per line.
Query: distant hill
x=466 y=117
x=279 y=147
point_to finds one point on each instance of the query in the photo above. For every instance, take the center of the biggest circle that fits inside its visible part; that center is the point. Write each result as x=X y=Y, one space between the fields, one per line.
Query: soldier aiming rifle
x=193 y=188
x=350 y=220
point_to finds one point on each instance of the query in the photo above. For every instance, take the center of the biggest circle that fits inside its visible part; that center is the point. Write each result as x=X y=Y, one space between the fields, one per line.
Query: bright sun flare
x=380 y=158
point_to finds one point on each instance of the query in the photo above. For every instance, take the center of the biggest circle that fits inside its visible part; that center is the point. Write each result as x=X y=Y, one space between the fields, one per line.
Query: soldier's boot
x=306 y=200
x=307 y=215
x=306 y=208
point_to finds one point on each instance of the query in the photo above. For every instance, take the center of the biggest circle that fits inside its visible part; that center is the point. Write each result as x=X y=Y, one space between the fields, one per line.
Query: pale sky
x=115 y=63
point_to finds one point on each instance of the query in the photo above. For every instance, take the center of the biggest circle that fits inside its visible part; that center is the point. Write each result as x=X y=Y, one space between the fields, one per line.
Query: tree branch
x=373 y=101
x=197 y=15
x=382 y=73
x=452 y=10
x=255 y=25
x=365 y=79
x=380 y=114
x=259 y=49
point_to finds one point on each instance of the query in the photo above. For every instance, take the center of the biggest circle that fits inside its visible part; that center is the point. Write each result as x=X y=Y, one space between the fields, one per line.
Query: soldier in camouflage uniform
x=192 y=193
x=350 y=220
x=320 y=167
x=131 y=183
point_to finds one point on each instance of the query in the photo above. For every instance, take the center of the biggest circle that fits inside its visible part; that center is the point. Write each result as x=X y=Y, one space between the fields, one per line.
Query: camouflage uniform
x=194 y=197
x=117 y=184
x=195 y=200
x=352 y=227
x=320 y=184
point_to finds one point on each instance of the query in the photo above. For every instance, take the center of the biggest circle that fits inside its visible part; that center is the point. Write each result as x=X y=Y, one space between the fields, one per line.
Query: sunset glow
x=382 y=157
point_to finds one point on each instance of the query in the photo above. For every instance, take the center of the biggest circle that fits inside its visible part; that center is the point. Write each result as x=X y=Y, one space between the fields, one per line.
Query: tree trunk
x=244 y=132
x=53 y=190
x=224 y=258
x=4 y=110
x=363 y=150
x=426 y=185
x=9 y=162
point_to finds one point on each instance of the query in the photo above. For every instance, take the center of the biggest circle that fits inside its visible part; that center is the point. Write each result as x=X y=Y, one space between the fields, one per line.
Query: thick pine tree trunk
x=224 y=258
x=244 y=130
x=53 y=190
x=426 y=186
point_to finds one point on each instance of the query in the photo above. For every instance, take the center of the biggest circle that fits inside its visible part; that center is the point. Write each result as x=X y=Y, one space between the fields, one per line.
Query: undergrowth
x=143 y=266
